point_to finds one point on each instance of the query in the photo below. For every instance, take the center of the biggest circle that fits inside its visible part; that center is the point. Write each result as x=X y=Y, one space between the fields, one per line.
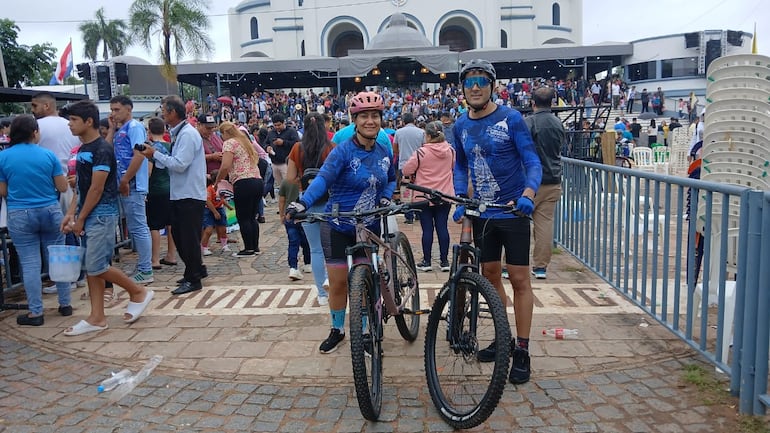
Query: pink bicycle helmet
x=366 y=101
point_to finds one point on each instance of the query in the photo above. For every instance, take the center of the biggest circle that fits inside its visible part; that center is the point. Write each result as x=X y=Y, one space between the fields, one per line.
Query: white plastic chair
x=643 y=158
x=661 y=159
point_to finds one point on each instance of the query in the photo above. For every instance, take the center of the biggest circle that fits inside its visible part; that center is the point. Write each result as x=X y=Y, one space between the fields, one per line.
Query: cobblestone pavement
x=241 y=356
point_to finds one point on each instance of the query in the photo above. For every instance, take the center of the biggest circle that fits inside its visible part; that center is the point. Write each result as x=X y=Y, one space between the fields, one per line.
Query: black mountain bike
x=466 y=316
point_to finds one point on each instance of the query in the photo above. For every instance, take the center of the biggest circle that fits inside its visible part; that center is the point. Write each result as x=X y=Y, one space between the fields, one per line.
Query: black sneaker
x=332 y=342
x=488 y=354
x=520 y=368
x=244 y=253
x=445 y=267
x=424 y=266
x=368 y=345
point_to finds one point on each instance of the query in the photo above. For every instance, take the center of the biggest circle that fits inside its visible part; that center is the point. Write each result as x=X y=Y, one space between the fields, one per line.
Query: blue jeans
x=99 y=242
x=435 y=217
x=135 y=212
x=297 y=239
x=317 y=262
x=31 y=230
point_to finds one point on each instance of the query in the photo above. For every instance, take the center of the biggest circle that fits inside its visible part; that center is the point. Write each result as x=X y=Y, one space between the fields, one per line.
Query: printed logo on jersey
x=355 y=164
x=385 y=164
x=498 y=132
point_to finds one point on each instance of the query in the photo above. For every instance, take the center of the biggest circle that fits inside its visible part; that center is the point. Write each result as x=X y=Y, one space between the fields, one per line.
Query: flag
x=754 y=41
x=63 y=67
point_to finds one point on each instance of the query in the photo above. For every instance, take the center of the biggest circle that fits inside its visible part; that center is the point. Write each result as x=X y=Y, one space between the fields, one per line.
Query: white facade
x=284 y=29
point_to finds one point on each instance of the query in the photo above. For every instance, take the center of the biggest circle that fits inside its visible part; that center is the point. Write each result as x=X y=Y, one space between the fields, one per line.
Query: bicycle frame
x=465 y=258
x=370 y=244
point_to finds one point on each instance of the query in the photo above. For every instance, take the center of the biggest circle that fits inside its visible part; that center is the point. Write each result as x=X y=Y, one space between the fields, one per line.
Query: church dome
x=397 y=34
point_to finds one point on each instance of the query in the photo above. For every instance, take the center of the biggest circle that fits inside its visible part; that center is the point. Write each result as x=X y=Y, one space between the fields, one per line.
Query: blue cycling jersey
x=499 y=151
x=356 y=180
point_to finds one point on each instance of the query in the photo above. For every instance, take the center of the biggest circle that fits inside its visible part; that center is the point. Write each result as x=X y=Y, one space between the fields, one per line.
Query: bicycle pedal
x=416 y=313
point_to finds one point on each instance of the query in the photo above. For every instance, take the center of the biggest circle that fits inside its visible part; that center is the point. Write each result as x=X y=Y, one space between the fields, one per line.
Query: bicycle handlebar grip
x=419 y=188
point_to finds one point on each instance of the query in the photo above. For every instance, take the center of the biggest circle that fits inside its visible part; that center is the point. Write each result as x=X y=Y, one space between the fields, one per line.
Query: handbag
x=309 y=174
x=225 y=189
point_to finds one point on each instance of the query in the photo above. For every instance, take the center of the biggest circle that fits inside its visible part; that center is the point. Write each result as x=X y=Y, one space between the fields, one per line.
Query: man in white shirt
x=615 y=88
x=406 y=141
x=55 y=135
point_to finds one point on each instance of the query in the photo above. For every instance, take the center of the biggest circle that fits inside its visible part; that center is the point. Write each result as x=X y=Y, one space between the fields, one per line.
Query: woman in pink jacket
x=431 y=166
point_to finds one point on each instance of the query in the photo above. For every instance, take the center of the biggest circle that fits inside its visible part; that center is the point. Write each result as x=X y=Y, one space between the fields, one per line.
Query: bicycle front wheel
x=366 y=340
x=464 y=390
x=406 y=287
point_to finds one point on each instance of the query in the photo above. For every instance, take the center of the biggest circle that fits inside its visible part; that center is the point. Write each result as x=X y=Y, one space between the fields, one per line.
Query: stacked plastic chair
x=736 y=150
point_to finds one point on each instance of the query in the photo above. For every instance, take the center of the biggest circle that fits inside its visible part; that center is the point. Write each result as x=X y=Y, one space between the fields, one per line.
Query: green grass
x=712 y=391
x=556 y=251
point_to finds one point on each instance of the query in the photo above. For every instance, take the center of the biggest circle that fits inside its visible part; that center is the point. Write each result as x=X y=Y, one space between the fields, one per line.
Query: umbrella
x=225 y=100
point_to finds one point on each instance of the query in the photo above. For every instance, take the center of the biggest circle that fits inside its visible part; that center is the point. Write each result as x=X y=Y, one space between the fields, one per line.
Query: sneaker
x=408 y=221
x=332 y=342
x=226 y=249
x=323 y=300
x=505 y=273
x=81 y=283
x=206 y=252
x=143 y=277
x=368 y=345
x=488 y=354
x=295 y=274
x=520 y=367
x=424 y=266
x=307 y=268
x=326 y=284
x=445 y=266
x=539 y=273
x=261 y=220
x=244 y=253
x=50 y=289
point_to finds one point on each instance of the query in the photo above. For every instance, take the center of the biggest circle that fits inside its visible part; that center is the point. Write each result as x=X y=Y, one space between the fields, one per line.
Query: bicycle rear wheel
x=465 y=391
x=405 y=279
x=366 y=353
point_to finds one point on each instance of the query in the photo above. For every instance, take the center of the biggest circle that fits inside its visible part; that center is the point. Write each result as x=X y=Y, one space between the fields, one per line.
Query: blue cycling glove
x=459 y=214
x=525 y=205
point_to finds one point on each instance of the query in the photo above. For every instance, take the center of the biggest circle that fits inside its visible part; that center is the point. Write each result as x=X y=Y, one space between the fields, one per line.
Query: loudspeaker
x=103 y=87
x=692 y=40
x=84 y=71
x=713 y=51
x=121 y=73
x=735 y=38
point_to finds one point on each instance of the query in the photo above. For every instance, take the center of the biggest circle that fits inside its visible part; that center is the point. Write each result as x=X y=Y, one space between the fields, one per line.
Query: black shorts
x=335 y=243
x=158 y=211
x=492 y=235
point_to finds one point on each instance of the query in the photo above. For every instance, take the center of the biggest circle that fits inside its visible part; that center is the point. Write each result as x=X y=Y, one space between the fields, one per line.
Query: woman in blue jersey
x=359 y=175
x=31 y=179
x=494 y=145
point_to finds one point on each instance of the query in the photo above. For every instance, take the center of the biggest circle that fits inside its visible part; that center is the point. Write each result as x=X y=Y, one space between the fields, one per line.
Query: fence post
x=763 y=317
x=740 y=296
x=750 y=313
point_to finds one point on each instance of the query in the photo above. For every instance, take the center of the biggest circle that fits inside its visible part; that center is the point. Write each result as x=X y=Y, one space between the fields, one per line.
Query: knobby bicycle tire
x=404 y=278
x=476 y=387
x=363 y=303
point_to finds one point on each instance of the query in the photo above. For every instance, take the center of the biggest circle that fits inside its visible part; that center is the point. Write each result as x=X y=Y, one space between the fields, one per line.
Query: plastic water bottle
x=561 y=333
x=117 y=378
x=129 y=385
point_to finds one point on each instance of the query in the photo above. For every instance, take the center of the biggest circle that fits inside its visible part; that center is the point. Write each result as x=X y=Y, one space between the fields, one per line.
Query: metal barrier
x=635 y=230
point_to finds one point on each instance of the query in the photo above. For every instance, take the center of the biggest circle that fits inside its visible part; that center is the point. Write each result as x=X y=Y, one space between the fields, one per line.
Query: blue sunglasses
x=478 y=80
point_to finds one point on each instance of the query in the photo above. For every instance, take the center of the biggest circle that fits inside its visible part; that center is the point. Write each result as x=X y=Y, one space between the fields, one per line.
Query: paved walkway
x=241 y=355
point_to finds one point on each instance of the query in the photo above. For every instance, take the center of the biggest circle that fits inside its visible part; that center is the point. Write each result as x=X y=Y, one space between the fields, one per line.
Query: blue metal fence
x=641 y=231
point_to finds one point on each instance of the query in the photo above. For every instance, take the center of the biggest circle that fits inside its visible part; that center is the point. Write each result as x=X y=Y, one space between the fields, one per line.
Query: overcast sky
x=56 y=22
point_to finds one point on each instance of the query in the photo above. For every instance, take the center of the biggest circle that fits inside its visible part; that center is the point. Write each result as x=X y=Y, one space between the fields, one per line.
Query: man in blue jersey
x=133 y=180
x=495 y=151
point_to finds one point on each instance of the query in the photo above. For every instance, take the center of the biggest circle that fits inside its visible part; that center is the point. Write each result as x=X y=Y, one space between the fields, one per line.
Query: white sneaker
x=323 y=300
x=295 y=274
x=308 y=268
x=206 y=252
x=326 y=284
x=226 y=248
x=81 y=283
x=50 y=289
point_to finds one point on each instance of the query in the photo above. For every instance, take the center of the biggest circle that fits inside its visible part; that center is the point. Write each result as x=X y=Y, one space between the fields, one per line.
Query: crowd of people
x=180 y=169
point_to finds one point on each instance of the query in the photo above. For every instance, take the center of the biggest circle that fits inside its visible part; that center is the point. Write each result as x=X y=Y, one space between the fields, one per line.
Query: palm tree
x=184 y=21
x=110 y=33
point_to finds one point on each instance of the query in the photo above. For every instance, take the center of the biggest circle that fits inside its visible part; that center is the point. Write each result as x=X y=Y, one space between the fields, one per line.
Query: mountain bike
x=382 y=283
x=466 y=316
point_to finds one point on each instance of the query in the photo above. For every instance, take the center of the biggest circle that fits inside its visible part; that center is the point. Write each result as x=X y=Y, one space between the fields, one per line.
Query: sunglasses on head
x=477 y=80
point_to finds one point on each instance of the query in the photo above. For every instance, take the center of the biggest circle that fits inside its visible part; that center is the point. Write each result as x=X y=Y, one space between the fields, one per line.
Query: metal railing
x=636 y=231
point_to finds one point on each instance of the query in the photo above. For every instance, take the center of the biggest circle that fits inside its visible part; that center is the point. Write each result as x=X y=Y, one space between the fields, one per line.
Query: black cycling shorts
x=492 y=235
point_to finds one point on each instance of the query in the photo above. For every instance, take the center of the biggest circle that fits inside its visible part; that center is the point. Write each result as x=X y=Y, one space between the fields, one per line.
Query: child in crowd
x=288 y=193
x=214 y=216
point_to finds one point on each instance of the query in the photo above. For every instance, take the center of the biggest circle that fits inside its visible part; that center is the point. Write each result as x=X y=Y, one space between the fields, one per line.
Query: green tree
x=110 y=34
x=26 y=65
x=181 y=22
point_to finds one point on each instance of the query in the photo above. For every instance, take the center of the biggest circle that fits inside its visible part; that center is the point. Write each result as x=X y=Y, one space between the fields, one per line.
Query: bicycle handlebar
x=435 y=196
x=393 y=209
